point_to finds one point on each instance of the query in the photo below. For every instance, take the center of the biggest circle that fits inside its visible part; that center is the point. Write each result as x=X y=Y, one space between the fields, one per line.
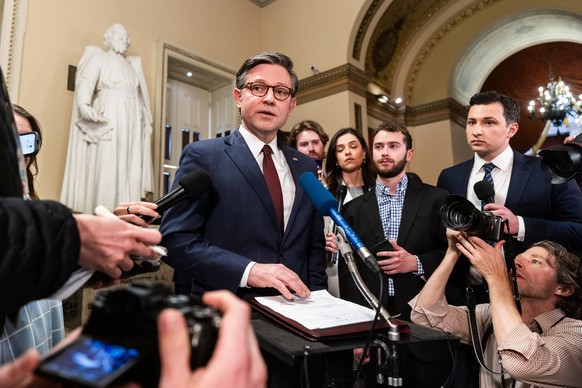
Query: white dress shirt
x=285 y=178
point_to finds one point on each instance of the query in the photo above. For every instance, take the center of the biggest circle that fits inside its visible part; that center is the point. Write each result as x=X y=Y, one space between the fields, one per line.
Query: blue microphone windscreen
x=319 y=195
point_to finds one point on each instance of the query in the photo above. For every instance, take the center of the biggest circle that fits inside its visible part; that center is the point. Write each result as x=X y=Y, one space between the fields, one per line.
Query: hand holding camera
x=119 y=343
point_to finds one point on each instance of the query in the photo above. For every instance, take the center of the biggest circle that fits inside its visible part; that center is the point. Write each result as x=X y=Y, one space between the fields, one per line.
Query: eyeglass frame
x=249 y=85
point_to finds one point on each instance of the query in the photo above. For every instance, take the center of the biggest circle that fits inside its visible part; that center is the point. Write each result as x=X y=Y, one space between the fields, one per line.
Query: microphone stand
x=348 y=255
x=391 y=366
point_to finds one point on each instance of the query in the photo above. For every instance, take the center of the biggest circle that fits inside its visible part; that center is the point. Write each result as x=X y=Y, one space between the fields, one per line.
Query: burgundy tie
x=273 y=183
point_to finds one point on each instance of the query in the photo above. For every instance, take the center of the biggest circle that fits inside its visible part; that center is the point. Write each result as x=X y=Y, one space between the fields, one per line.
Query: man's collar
x=549 y=319
x=502 y=161
x=256 y=145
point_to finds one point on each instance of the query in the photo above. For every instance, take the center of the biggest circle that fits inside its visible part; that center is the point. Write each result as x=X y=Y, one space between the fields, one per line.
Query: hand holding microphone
x=486 y=193
x=140 y=213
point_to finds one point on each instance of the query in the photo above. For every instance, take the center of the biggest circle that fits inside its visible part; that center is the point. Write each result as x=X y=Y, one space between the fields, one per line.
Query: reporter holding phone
x=398 y=220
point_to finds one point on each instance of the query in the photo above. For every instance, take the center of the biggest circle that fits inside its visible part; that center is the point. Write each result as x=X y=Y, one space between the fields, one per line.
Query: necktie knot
x=267 y=150
x=488 y=167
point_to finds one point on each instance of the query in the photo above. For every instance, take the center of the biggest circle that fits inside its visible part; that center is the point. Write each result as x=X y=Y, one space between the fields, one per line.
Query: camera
x=458 y=213
x=562 y=162
x=119 y=343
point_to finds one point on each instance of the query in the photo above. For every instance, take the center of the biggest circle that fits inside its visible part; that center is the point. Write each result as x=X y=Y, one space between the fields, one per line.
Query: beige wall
x=223 y=31
x=432 y=150
x=333 y=112
x=57 y=32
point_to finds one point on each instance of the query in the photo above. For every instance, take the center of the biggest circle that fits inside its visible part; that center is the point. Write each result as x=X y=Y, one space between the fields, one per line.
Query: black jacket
x=39 y=249
x=421 y=233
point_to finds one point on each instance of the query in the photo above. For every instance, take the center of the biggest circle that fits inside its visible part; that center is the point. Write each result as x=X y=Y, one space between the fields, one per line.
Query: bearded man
x=400 y=215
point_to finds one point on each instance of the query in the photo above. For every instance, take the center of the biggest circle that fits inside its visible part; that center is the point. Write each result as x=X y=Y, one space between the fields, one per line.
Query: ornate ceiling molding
x=363 y=28
x=262 y=3
x=436 y=39
x=341 y=78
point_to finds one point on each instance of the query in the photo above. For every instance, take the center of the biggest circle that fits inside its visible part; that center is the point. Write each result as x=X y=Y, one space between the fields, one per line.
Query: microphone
x=485 y=192
x=192 y=186
x=327 y=205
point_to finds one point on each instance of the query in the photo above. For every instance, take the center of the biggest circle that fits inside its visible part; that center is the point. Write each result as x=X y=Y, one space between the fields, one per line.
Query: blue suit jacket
x=214 y=238
x=552 y=212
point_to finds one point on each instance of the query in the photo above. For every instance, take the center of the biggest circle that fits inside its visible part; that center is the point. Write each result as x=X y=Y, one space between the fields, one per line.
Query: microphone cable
x=372 y=334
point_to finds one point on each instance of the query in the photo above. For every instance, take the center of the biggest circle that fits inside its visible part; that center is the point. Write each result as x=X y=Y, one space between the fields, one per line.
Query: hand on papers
x=277 y=276
x=320 y=310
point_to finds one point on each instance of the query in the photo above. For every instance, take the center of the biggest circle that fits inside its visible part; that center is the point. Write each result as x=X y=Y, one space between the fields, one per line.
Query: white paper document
x=320 y=310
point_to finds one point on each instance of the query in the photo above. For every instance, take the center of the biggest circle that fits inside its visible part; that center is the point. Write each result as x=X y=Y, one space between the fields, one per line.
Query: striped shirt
x=546 y=354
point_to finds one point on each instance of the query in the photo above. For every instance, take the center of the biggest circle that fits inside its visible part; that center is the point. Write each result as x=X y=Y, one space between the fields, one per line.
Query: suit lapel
x=520 y=174
x=465 y=174
x=412 y=202
x=372 y=215
x=291 y=156
x=240 y=154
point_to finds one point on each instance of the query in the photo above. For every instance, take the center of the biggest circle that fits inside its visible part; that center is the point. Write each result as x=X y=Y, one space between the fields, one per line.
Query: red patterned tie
x=273 y=183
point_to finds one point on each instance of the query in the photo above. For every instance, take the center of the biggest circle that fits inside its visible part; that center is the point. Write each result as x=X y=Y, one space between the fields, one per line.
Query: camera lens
x=562 y=162
x=458 y=213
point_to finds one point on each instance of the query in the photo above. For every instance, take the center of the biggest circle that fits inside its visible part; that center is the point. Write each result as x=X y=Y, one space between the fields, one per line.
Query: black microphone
x=342 y=190
x=192 y=186
x=340 y=196
x=327 y=205
x=485 y=192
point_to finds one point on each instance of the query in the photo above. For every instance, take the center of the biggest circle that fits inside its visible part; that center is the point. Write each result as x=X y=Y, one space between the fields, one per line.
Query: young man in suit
x=524 y=195
x=236 y=237
x=404 y=211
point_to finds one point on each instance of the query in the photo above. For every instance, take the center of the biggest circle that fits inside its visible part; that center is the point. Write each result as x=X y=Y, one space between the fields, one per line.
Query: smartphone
x=89 y=362
x=383 y=245
x=29 y=143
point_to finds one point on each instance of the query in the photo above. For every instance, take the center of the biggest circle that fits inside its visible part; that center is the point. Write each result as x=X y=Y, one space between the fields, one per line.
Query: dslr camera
x=458 y=213
x=119 y=343
x=563 y=162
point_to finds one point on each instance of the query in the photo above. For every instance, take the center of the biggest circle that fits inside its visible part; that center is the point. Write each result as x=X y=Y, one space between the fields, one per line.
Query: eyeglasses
x=260 y=89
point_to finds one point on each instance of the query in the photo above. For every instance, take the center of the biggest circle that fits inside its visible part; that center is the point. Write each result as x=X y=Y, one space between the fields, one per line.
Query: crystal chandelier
x=556 y=103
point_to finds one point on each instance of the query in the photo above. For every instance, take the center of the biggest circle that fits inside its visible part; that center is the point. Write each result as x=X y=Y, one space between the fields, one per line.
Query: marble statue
x=109 y=157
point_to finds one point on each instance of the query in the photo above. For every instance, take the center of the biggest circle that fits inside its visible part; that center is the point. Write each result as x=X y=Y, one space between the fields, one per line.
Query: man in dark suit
x=524 y=196
x=403 y=210
x=236 y=237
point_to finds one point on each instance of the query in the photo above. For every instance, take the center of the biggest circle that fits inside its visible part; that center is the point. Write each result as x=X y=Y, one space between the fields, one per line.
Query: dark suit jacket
x=214 y=238
x=421 y=233
x=552 y=212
